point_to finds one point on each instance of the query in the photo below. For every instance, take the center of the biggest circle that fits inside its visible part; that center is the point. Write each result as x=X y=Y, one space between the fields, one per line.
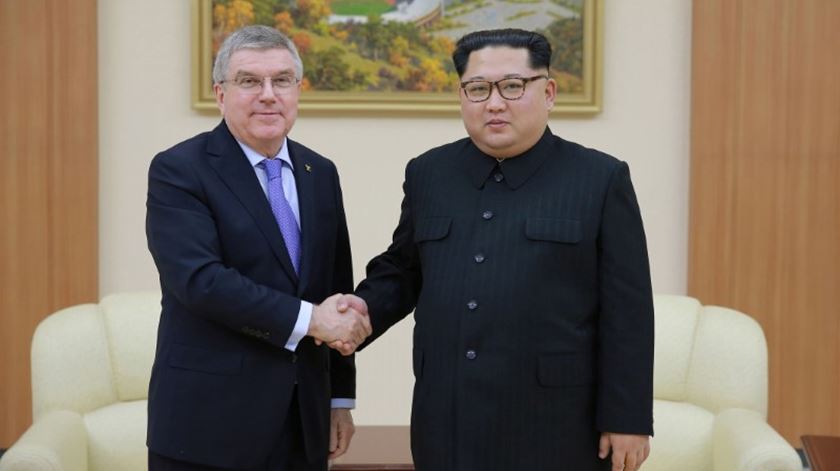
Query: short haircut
x=539 y=49
x=254 y=37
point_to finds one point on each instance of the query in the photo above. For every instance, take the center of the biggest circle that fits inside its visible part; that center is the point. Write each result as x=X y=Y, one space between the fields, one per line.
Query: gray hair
x=254 y=37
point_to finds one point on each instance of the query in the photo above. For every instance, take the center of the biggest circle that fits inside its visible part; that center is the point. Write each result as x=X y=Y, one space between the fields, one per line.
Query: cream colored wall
x=144 y=105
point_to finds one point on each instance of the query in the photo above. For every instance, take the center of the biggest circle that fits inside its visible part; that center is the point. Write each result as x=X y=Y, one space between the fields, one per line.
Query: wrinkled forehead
x=261 y=62
x=497 y=62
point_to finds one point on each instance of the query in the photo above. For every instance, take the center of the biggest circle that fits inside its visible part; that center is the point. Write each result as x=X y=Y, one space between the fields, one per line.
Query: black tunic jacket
x=534 y=311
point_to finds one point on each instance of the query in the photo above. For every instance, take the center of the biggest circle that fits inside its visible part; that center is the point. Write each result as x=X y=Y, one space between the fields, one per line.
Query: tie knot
x=273 y=168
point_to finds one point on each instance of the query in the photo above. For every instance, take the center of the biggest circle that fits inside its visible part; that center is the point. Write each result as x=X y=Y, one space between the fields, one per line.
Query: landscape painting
x=395 y=55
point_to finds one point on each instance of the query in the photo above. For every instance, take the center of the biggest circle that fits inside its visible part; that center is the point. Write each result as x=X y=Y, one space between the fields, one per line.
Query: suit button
x=294 y=357
x=472 y=305
x=471 y=355
x=498 y=177
x=487 y=215
x=479 y=258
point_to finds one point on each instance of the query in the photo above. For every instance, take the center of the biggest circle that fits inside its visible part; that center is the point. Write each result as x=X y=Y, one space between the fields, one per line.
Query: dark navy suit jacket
x=222 y=380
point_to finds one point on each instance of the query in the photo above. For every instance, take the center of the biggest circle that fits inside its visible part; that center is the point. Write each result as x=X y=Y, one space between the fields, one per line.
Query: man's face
x=499 y=127
x=259 y=117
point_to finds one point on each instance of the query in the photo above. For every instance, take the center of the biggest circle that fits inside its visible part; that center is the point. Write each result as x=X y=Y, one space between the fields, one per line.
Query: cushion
x=117 y=437
x=683 y=438
x=674 y=341
x=70 y=364
x=131 y=322
x=729 y=365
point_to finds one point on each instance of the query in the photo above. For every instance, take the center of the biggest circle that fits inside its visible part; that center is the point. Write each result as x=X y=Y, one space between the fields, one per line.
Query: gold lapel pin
x=308 y=167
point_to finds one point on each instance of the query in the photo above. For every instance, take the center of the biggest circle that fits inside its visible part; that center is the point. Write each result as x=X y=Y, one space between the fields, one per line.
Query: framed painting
x=395 y=55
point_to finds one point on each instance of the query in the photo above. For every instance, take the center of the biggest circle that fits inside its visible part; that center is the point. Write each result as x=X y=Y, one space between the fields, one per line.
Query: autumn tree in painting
x=230 y=16
x=283 y=22
x=311 y=12
x=567 y=57
x=327 y=70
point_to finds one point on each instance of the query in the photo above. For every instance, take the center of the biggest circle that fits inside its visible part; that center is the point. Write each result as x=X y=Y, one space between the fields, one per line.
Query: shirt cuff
x=301 y=326
x=342 y=403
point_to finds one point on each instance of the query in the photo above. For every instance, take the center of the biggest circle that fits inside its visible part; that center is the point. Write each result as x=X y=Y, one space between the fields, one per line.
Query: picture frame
x=399 y=75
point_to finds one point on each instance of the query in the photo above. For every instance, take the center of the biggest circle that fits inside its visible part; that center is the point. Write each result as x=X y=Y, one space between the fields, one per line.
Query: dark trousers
x=289 y=453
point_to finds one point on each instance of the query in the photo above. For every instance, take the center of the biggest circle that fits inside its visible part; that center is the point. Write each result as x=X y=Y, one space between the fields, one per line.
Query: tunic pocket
x=566 y=231
x=435 y=228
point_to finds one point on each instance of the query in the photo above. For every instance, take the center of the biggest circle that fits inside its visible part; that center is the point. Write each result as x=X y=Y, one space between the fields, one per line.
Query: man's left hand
x=341 y=432
x=628 y=451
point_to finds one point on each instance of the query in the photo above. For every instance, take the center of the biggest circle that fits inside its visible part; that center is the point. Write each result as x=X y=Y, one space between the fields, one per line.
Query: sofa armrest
x=744 y=441
x=56 y=442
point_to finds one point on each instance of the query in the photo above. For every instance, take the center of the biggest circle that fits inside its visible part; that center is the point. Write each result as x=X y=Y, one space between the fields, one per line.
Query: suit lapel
x=305 y=182
x=234 y=169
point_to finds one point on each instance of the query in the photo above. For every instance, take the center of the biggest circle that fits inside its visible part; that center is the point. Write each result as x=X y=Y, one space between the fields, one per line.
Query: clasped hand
x=341 y=321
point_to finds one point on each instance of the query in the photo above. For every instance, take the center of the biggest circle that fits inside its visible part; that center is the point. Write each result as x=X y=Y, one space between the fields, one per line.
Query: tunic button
x=471 y=355
x=472 y=305
x=487 y=215
x=498 y=177
x=479 y=258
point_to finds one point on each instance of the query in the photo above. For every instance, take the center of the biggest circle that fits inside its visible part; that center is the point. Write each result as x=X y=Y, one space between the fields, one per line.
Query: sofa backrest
x=88 y=356
x=709 y=356
x=91 y=355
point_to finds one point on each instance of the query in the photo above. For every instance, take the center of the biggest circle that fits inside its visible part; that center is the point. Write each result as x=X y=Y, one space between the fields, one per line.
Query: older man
x=247 y=230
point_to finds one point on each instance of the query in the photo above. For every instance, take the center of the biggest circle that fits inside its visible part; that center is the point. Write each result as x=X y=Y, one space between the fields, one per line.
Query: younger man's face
x=500 y=127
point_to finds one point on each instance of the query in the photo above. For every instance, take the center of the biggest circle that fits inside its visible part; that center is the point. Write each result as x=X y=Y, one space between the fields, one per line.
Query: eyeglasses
x=512 y=88
x=251 y=85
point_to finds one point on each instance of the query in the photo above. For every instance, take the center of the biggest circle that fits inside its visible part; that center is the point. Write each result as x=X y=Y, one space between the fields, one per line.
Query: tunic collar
x=516 y=170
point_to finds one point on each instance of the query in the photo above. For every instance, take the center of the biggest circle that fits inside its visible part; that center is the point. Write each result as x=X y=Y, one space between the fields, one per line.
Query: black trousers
x=289 y=453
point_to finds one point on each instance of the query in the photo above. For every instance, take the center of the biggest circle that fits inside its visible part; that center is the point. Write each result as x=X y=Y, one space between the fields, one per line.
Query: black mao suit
x=534 y=315
x=222 y=380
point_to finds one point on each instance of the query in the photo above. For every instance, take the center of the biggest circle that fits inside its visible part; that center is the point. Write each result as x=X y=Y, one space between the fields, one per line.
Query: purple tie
x=282 y=210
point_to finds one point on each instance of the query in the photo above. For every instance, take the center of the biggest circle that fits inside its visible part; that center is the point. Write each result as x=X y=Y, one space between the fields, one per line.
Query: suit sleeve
x=625 y=347
x=184 y=243
x=342 y=368
x=394 y=278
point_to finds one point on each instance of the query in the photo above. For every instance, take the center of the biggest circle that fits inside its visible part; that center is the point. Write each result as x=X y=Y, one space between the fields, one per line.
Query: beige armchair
x=90 y=377
x=710 y=388
x=91 y=365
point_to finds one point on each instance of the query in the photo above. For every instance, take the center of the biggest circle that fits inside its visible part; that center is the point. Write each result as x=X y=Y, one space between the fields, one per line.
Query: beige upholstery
x=90 y=377
x=710 y=389
x=91 y=364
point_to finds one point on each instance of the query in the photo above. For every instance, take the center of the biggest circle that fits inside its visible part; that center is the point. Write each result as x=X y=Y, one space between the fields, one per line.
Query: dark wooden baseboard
x=377 y=448
x=823 y=452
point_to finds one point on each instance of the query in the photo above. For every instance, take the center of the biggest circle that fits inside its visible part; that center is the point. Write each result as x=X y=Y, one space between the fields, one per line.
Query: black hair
x=539 y=49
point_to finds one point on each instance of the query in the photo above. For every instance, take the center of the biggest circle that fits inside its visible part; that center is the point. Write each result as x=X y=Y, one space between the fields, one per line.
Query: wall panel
x=765 y=218
x=48 y=181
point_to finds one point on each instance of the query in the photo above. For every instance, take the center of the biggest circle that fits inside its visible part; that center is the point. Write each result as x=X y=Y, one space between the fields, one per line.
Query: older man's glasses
x=512 y=88
x=252 y=85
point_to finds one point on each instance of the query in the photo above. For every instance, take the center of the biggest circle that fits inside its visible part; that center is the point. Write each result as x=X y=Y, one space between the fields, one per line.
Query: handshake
x=341 y=322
